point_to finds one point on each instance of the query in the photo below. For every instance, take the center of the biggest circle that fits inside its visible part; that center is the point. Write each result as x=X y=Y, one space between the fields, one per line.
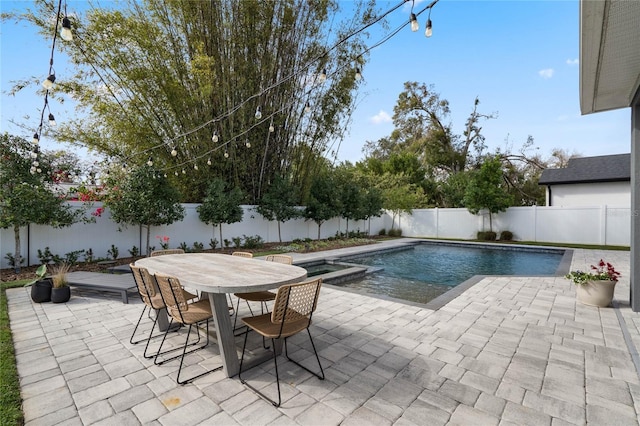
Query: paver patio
x=509 y=350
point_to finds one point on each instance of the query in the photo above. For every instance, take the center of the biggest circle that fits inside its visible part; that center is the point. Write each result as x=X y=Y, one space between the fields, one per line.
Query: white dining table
x=215 y=275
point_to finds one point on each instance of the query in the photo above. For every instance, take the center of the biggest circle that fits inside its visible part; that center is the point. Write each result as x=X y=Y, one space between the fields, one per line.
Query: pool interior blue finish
x=429 y=270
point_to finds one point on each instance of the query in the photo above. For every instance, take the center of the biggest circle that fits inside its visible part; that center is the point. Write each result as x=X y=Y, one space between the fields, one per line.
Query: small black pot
x=60 y=294
x=41 y=290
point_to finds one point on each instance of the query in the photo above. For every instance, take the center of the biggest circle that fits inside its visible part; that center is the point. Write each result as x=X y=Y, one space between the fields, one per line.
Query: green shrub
x=213 y=243
x=395 y=232
x=487 y=236
x=254 y=242
x=237 y=242
x=198 y=247
x=382 y=232
x=506 y=236
x=113 y=252
x=134 y=252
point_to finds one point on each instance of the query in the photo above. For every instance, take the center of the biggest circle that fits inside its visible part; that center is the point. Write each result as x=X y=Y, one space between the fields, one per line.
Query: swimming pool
x=426 y=271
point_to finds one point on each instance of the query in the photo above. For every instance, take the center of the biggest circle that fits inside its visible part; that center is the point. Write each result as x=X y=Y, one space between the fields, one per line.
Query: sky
x=519 y=58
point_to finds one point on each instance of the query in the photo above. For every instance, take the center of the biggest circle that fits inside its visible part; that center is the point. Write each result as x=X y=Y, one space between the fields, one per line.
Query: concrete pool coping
x=354 y=271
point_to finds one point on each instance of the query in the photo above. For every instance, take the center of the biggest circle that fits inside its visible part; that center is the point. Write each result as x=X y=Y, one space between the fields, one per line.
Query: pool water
x=429 y=270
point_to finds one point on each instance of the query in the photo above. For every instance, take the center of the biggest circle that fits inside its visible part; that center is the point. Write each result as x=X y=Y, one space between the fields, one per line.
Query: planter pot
x=60 y=294
x=596 y=293
x=41 y=291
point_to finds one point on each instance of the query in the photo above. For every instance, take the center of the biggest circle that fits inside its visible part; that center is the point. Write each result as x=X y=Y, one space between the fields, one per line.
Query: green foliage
x=72 y=257
x=47 y=256
x=26 y=197
x=134 y=251
x=253 y=242
x=88 y=255
x=322 y=203
x=221 y=205
x=279 y=202
x=13 y=262
x=198 y=247
x=10 y=397
x=602 y=271
x=486 y=190
x=183 y=245
x=486 y=236
x=40 y=274
x=213 y=243
x=506 y=236
x=397 y=232
x=382 y=232
x=113 y=252
x=237 y=242
x=142 y=197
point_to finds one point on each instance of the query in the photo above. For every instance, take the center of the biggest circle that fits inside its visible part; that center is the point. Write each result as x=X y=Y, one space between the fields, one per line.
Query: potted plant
x=595 y=288
x=61 y=292
x=40 y=286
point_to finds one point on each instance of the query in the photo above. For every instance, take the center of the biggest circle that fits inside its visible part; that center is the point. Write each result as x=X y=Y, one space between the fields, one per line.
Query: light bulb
x=39 y=170
x=175 y=173
x=195 y=167
x=124 y=167
x=271 y=128
x=307 y=107
x=174 y=152
x=65 y=32
x=358 y=74
x=247 y=144
x=209 y=162
x=34 y=154
x=323 y=75
x=36 y=138
x=429 y=30
x=226 y=154
x=52 y=120
x=35 y=163
x=32 y=170
x=415 y=26
x=258 y=114
x=150 y=162
x=48 y=83
x=165 y=175
x=183 y=172
x=215 y=137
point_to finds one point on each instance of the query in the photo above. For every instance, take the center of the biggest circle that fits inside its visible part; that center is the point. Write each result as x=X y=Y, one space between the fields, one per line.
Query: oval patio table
x=216 y=275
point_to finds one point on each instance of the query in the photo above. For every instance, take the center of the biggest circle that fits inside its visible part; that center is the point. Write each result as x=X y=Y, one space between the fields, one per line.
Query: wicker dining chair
x=191 y=314
x=261 y=296
x=166 y=251
x=292 y=310
x=147 y=288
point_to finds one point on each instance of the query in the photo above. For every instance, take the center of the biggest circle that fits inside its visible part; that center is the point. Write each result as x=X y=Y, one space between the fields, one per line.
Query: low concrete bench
x=119 y=283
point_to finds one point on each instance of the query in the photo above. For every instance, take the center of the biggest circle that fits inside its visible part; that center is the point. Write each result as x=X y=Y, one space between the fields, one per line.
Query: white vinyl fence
x=605 y=225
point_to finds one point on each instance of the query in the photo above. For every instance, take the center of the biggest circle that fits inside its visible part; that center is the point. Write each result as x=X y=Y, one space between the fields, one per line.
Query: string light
x=174 y=152
x=358 y=74
x=209 y=162
x=150 y=162
x=48 y=82
x=247 y=144
x=429 y=31
x=215 y=137
x=52 y=120
x=415 y=26
x=195 y=167
x=36 y=138
x=271 y=128
x=323 y=76
x=258 y=114
x=226 y=154
x=65 y=32
x=307 y=107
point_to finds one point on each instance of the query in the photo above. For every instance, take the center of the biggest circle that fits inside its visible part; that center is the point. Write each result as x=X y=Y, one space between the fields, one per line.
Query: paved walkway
x=507 y=351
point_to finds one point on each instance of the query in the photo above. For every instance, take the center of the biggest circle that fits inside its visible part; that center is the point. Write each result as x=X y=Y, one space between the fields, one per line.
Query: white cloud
x=381 y=117
x=575 y=61
x=546 y=73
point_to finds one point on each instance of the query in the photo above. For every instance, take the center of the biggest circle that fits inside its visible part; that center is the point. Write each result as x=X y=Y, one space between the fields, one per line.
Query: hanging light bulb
x=415 y=26
x=323 y=75
x=65 y=32
x=34 y=154
x=226 y=154
x=124 y=167
x=429 y=31
x=32 y=170
x=52 y=120
x=358 y=74
x=271 y=128
x=165 y=175
x=39 y=170
x=258 y=113
x=183 y=172
x=215 y=137
x=209 y=162
x=36 y=163
x=247 y=144
x=48 y=83
x=307 y=107
x=150 y=162
x=174 y=152
x=195 y=167
x=36 y=138
x=175 y=173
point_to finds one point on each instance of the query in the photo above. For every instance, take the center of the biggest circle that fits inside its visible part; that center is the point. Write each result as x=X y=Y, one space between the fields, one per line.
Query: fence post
x=603 y=224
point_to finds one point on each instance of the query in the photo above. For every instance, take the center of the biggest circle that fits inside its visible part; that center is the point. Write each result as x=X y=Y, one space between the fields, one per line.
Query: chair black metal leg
x=184 y=352
x=136 y=327
x=286 y=353
x=275 y=361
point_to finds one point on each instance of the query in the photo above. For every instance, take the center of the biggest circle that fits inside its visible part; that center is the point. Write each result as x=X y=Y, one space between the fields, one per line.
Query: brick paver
x=508 y=350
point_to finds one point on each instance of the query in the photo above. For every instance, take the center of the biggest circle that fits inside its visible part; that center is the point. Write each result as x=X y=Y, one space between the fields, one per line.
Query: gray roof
x=606 y=168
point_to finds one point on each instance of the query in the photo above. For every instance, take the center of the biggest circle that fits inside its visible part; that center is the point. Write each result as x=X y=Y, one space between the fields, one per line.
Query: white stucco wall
x=590 y=194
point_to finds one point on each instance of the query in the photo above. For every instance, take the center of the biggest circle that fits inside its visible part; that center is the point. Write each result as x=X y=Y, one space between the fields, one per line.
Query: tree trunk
x=490 y=223
x=148 y=232
x=319 y=225
x=220 y=227
x=17 y=257
x=346 y=234
x=279 y=236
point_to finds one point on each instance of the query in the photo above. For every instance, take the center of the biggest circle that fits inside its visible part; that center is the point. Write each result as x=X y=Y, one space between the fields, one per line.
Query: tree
x=143 y=197
x=399 y=195
x=279 y=202
x=486 y=190
x=221 y=205
x=26 y=197
x=322 y=204
x=160 y=77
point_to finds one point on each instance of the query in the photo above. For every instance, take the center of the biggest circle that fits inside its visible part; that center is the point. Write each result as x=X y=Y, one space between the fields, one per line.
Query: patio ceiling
x=609 y=54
